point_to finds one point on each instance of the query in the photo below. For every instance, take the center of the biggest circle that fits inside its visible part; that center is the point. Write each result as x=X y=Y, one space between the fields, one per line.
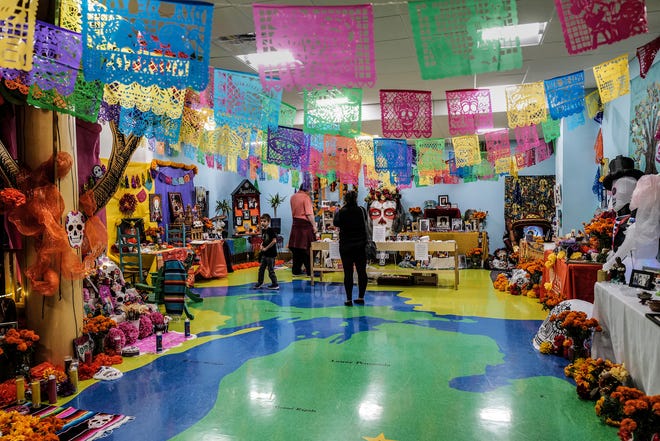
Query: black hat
x=620 y=167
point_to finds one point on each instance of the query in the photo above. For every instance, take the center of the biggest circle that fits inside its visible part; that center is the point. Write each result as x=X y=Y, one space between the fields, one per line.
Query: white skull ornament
x=75 y=228
x=99 y=420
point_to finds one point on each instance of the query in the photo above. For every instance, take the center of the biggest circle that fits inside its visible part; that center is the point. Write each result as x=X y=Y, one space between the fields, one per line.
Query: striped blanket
x=79 y=425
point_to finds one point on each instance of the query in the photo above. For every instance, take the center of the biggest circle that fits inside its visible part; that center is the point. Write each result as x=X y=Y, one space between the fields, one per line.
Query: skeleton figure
x=75 y=228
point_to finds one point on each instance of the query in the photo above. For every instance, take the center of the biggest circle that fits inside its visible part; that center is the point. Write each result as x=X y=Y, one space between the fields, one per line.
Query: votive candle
x=35 y=386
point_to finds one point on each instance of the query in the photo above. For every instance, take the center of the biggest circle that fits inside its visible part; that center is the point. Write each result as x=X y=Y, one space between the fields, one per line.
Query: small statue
x=618 y=272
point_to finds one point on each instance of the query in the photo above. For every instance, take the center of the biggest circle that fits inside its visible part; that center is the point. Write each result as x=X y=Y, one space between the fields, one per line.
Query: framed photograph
x=456 y=224
x=239 y=221
x=325 y=236
x=443 y=223
x=467 y=226
x=642 y=279
x=424 y=225
x=155 y=207
x=176 y=206
x=246 y=214
x=443 y=200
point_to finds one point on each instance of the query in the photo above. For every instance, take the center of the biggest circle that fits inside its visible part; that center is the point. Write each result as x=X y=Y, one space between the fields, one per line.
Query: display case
x=246 y=208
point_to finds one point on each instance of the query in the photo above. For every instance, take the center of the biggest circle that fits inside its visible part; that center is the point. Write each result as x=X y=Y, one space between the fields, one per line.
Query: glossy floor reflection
x=414 y=363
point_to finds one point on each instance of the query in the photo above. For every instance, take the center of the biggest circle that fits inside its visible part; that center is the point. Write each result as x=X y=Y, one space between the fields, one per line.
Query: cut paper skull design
x=75 y=228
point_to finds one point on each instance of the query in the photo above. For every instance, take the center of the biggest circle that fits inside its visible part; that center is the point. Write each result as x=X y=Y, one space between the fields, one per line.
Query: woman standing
x=303 y=230
x=351 y=221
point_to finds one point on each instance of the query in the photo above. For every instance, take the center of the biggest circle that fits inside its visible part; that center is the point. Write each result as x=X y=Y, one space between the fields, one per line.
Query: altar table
x=628 y=336
x=573 y=279
x=212 y=262
x=465 y=240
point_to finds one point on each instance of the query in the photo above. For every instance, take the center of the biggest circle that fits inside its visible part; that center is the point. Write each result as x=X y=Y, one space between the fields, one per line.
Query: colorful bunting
x=430 y=154
x=333 y=112
x=287 y=115
x=71 y=15
x=17 y=25
x=469 y=110
x=543 y=152
x=240 y=101
x=56 y=58
x=646 y=55
x=574 y=121
x=593 y=104
x=166 y=101
x=339 y=52
x=348 y=160
x=589 y=24
x=565 y=94
x=164 y=43
x=526 y=104
x=503 y=165
x=613 y=78
x=406 y=113
x=551 y=129
x=466 y=150
x=330 y=156
x=526 y=138
x=288 y=147
x=391 y=155
x=83 y=103
x=132 y=121
x=448 y=37
x=234 y=141
x=497 y=145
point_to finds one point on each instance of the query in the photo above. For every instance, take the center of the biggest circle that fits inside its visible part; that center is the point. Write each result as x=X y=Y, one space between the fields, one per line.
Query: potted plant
x=275 y=201
x=222 y=207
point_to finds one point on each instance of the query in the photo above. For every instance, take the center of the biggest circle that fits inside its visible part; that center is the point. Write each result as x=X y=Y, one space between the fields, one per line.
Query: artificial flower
x=128 y=204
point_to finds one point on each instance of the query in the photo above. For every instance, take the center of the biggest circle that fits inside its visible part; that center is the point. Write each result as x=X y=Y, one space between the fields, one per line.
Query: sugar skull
x=99 y=420
x=622 y=190
x=383 y=213
x=407 y=111
x=75 y=228
x=98 y=171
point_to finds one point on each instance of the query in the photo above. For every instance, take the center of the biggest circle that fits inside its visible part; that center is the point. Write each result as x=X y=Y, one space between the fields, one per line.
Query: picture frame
x=246 y=214
x=642 y=279
x=155 y=207
x=176 y=205
x=443 y=200
x=325 y=236
x=424 y=225
x=467 y=226
x=456 y=224
x=443 y=223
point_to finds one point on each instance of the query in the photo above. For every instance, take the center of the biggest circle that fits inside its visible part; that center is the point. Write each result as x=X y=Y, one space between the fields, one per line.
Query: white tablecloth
x=628 y=335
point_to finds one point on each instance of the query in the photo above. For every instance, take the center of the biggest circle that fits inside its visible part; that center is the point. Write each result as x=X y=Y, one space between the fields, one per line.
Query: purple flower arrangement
x=130 y=332
x=146 y=326
x=115 y=339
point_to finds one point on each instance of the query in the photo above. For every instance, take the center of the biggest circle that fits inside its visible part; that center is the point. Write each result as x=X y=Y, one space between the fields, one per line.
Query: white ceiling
x=396 y=60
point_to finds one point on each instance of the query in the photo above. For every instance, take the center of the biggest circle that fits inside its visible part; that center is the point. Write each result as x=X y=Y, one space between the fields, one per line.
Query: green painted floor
x=413 y=364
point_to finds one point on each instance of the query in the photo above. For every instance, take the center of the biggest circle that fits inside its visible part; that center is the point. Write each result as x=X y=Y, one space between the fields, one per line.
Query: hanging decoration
x=503 y=165
x=498 y=145
x=330 y=160
x=574 y=121
x=186 y=176
x=526 y=138
x=613 y=78
x=469 y=110
x=448 y=37
x=287 y=115
x=56 y=58
x=161 y=101
x=333 y=112
x=17 y=26
x=71 y=15
x=348 y=160
x=593 y=104
x=288 y=147
x=430 y=154
x=406 y=113
x=193 y=124
x=524 y=159
x=598 y=147
x=588 y=24
x=83 y=103
x=391 y=155
x=240 y=101
x=234 y=141
x=338 y=53
x=15 y=79
x=542 y=152
x=565 y=94
x=646 y=55
x=526 y=104
x=128 y=204
x=164 y=43
x=149 y=125
x=466 y=150
x=551 y=129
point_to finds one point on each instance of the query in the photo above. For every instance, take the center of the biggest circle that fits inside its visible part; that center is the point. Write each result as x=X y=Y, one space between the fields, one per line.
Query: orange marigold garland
x=15 y=426
x=97 y=324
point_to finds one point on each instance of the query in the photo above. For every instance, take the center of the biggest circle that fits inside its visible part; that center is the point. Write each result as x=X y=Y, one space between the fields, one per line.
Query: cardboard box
x=426 y=279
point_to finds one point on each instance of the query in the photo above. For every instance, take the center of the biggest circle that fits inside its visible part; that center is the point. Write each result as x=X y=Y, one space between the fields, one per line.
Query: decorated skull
x=406 y=111
x=75 y=228
x=99 y=420
x=98 y=171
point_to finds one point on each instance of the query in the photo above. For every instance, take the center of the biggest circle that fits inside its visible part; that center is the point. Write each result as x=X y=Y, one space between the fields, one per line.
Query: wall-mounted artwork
x=155 y=207
x=176 y=206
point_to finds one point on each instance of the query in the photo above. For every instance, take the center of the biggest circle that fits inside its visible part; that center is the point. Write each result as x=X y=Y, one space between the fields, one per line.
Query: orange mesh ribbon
x=96 y=234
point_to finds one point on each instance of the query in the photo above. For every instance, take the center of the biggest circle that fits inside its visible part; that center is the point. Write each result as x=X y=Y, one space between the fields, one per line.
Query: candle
x=73 y=375
x=20 y=390
x=52 y=389
x=35 y=386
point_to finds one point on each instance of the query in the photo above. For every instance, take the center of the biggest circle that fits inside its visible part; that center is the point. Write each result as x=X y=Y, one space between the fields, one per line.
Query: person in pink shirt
x=303 y=230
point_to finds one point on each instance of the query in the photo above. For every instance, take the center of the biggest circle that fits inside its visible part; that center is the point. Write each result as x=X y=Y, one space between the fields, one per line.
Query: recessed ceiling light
x=529 y=34
x=267 y=58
